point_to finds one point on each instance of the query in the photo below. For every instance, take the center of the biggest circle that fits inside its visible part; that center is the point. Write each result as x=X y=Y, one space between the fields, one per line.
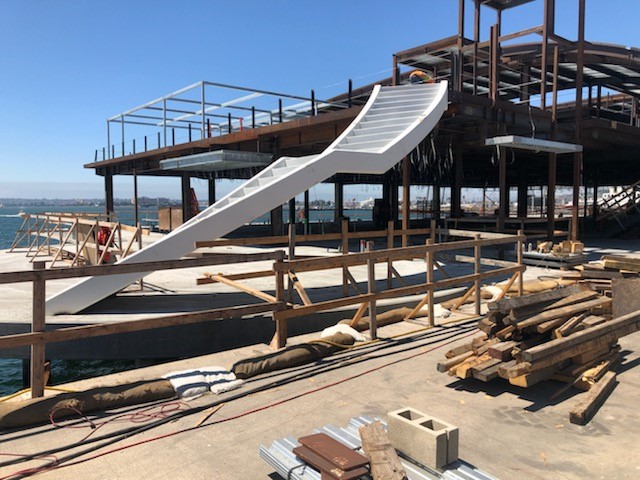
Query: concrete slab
x=506 y=431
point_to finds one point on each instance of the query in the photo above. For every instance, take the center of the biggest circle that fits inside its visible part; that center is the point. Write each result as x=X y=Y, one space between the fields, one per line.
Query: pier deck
x=527 y=438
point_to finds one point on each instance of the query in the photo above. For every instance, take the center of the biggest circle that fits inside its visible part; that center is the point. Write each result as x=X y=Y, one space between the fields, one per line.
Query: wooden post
x=38 y=325
x=371 y=280
x=280 y=338
x=430 y=266
x=519 y=256
x=477 y=270
x=433 y=230
x=292 y=256
x=390 y=228
x=345 y=251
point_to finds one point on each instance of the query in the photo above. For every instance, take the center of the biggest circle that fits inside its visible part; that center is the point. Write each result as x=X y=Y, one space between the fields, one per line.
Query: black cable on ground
x=114 y=437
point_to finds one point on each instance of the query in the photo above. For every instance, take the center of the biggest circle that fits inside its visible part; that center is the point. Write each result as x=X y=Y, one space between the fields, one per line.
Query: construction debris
x=333 y=459
x=385 y=463
x=568 y=334
x=562 y=255
x=599 y=275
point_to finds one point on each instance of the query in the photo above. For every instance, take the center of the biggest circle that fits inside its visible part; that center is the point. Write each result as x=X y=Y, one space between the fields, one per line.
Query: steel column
x=406 y=197
x=503 y=206
x=186 y=196
x=456 y=189
x=212 y=191
x=108 y=193
x=203 y=106
x=551 y=196
x=577 y=157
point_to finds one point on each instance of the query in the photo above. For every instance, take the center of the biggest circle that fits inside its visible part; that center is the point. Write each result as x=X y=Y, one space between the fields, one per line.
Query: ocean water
x=63 y=371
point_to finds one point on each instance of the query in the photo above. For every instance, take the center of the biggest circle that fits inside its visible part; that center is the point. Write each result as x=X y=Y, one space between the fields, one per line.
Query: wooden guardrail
x=281 y=309
x=38 y=338
x=526 y=225
x=291 y=268
x=75 y=238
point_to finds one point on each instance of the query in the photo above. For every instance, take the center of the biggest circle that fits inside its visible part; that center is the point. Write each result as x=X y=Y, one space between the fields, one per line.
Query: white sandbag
x=345 y=329
x=220 y=380
x=188 y=383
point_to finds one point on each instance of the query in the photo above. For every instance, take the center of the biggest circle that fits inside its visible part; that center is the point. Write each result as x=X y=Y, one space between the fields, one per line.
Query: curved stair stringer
x=354 y=151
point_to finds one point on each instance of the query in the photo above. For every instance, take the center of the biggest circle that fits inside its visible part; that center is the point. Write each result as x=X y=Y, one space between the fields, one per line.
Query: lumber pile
x=567 y=334
x=600 y=274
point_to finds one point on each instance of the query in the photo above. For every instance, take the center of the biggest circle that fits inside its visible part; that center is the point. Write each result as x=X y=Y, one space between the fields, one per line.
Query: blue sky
x=67 y=66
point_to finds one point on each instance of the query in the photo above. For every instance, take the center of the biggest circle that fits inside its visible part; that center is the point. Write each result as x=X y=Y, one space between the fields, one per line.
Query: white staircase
x=390 y=125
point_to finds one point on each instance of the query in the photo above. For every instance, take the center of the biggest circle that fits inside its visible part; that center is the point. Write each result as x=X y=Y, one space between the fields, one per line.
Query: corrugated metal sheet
x=281 y=457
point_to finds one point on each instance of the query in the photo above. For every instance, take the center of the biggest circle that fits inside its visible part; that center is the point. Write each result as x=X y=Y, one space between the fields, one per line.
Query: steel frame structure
x=496 y=89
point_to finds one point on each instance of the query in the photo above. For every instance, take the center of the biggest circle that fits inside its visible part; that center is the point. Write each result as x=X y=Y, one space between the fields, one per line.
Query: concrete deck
x=506 y=431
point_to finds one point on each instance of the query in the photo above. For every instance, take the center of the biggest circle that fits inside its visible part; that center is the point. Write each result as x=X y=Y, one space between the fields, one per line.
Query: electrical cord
x=114 y=437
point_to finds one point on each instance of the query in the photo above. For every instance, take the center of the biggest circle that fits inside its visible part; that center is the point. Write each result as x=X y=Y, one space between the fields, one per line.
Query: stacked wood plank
x=567 y=333
x=600 y=274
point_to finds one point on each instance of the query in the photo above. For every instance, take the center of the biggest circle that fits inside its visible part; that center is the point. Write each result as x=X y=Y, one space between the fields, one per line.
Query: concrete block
x=424 y=438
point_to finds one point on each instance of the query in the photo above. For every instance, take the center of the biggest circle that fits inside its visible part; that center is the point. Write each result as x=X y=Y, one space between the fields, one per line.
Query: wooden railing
x=74 y=238
x=526 y=225
x=38 y=337
x=281 y=307
x=366 y=301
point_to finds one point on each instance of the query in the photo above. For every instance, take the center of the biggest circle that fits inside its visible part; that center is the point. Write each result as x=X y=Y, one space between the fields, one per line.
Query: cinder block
x=426 y=439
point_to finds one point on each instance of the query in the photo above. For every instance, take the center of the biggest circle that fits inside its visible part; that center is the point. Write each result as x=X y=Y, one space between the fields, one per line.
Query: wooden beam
x=299 y=288
x=562 y=312
x=244 y=288
x=385 y=464
x=98 y=330
x=56 y=274
x=587 y=408
x=619 y=326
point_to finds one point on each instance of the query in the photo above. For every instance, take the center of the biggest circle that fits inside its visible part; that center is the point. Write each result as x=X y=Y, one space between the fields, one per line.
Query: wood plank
x=502 y=351
x=591 y=355
x=244 y=288
x=481 y=367
x=507 y=304
x=522 y=313
x=562 y=312
x=446 y=365
x=90 y=331
x=464 y=369
x=358 y=315
x=141 y=267
x=487 y=374
x=529 y=379
x=621 y=263
x=454 y=352
x=584 y=411
x=505 y=367
x=235 y=276
x=505 y=332
x=482 y=349
x=570 y=325
x=551 y=324
x=631 y=320
x=384 y=461
x=602 y=342
x=299 y=288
